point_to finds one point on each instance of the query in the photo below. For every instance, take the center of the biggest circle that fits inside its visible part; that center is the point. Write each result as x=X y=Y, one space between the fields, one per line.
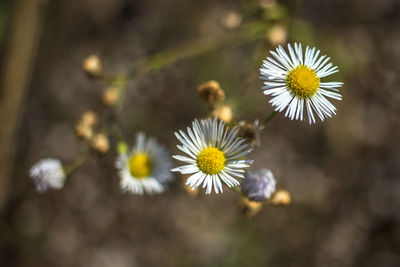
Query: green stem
x=68 y=169
x=267 y=119
x=249 y=32
x=238 y=190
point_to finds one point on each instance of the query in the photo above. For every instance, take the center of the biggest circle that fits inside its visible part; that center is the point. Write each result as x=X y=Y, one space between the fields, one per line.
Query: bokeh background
x=343 y=174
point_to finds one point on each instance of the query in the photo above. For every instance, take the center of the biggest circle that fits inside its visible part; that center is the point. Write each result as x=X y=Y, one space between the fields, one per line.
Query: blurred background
x=343 y=174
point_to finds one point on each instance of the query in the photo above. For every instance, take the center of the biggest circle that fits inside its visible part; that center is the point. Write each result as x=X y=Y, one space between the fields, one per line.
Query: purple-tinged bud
x=259 y=185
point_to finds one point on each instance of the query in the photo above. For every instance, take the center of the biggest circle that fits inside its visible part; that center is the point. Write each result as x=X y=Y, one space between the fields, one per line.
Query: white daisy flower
x=146 y=168
x=214 y=154
x=294 y=82
x=47 y=174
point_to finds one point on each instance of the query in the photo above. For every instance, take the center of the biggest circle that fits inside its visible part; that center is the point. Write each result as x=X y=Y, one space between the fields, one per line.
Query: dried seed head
x=100 y=143
x=211 y=91
x=250 y=131
x=281 y=197
x=110 y=96
x=92 y=65
x=249 y=208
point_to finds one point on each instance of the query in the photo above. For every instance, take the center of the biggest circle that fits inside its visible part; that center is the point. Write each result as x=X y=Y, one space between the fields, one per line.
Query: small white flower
x=214 y=154
x=293 y=81
x=47 y=174
x=259 y=185
x=146 y=168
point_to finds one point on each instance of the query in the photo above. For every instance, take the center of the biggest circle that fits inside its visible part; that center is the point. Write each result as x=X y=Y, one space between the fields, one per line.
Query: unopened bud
x=277 y=35
x=224 y=113
x=92 y=65
x=89 y=118
x=100 y=143
x=258 y=185
x=122 y=148
x=83 y=130
x=281 y=197
x=110 y=96
x=232 y=20
x=250 y=208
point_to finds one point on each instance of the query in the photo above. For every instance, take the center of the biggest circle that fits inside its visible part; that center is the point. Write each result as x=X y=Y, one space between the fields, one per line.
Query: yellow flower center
x=140 y=165
x=303 y=81
x=211 y=160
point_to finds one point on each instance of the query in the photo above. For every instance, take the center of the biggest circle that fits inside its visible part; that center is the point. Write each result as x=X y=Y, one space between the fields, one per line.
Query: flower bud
x=89 y=118
x=122 y=148
x=259 y=185
x=250 y=208
x=92 y=65
x=224 y=113
x=84 y=131
x=277 y=35
x=47 y=174
x=281 y=197
x=100 y=143
x=232 y=20
x=110 y=96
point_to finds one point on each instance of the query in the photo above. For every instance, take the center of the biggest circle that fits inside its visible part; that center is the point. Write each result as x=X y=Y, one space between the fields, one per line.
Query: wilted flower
x=250 y=131
x=146 y=168
x=258 y=185
x=293 y=81
x=281 y=197
x=211 y=91
x=100 y=143
x=47 y=174
x=224 y=113
x=92 y=65
x=214 y=154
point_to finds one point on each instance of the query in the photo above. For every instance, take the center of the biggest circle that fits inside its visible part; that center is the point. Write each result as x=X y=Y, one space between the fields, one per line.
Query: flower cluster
x=214 y=149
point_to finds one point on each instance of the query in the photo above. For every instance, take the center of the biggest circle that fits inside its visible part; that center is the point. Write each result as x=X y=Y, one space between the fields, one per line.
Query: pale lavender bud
x=259 y=185
x=47 y=173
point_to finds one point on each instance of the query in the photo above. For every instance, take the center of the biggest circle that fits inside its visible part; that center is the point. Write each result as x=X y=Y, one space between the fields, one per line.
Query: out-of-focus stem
x=249 y=32
x=238 y=190
x=268 y=118
x=78 y=162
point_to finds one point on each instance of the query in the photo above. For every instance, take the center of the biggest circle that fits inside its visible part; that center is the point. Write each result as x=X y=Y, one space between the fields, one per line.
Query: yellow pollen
x=140 y=165
x=303 y=81
x=211 y=160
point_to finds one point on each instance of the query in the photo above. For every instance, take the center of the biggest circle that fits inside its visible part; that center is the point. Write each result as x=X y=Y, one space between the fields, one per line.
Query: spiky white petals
x=293 y=80
x=214 y=155
x=149 y=176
